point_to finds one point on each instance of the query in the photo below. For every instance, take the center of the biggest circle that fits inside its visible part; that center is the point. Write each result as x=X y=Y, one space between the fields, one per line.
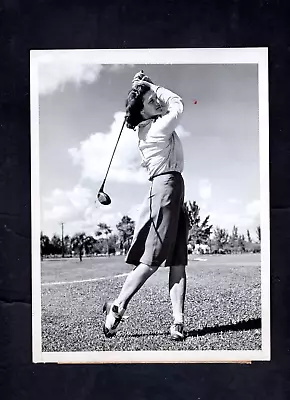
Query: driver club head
x=104 y=198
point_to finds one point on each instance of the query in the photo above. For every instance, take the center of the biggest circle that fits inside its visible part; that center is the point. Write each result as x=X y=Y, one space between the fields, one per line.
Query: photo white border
x=257 y=56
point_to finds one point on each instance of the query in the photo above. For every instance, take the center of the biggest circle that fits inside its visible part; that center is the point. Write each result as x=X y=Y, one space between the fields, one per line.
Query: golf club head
x=104 y=198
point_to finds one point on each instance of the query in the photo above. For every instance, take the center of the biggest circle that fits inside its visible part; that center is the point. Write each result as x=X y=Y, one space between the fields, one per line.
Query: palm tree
x=56 y=244
x=242 y=243
x=78 y=242
x=90 y=242
x=67 y=244
x=126 y=229
x=221 y=238
x=199 y=232
x=233 y=240
x=113 y=243
x=104 y=230
x=44 y=245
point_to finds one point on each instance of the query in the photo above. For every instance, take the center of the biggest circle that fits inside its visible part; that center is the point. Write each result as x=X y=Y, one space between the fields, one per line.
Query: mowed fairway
x=223 y=305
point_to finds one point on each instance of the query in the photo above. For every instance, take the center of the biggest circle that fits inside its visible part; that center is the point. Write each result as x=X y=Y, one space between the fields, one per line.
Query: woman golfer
x=160 y=236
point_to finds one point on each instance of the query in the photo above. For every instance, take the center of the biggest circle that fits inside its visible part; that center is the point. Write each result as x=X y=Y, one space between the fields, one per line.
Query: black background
x=46 y=24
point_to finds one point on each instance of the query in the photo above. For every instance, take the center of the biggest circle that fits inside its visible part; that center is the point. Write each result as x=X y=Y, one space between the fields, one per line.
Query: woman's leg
x=177 y=276
x=177 y=289
x=135 y=280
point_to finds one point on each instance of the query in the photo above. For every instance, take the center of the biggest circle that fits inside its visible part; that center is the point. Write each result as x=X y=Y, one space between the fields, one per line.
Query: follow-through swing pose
x=160 y=236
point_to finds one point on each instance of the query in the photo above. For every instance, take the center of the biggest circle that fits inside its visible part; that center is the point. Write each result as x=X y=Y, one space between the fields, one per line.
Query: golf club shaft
x=103 y=184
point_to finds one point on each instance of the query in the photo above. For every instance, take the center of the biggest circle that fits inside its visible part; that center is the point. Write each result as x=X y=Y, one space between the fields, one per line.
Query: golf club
x=103 y=197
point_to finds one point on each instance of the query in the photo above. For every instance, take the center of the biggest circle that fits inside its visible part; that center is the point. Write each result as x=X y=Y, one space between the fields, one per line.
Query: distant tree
x=235 y=234
x=233 y=240
x=258 y=232
x=126 y=231
x=199 y=232
x=241 y=243
x=78 y=243
x=89 y=245
x=101 y=246
x=249 y=236
x=45 y=246
x=113 y=241
x=67 y=244
x=103 y=231
x=56 y=244
x=221 y=238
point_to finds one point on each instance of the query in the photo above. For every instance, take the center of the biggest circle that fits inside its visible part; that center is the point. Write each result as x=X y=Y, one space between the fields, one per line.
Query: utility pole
x=62 y=244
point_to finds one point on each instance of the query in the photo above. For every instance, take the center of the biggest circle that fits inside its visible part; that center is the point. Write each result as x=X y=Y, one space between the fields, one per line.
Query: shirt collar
x=144 y=123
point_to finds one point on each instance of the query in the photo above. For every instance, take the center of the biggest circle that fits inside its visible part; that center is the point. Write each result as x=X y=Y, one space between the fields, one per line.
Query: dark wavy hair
x=134 y=106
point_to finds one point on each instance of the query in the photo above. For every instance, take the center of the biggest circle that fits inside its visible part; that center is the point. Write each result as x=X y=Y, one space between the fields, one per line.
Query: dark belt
x=165 y=173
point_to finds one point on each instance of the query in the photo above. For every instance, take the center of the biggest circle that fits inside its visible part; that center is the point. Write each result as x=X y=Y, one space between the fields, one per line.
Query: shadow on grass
x=239 y=326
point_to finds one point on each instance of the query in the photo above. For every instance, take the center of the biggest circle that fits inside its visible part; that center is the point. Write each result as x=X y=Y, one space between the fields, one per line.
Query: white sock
x=179 y=318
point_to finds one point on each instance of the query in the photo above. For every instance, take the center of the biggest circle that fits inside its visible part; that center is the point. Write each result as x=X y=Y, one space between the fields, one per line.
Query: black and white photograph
x=150 y=205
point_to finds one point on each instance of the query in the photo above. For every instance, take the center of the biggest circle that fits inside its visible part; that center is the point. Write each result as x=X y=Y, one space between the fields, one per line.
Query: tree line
x=208 y=239
x=102 y=242
x=202 y=238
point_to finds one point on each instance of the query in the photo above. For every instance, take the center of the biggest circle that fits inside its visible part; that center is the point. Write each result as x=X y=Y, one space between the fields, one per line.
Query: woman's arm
x=165 y=125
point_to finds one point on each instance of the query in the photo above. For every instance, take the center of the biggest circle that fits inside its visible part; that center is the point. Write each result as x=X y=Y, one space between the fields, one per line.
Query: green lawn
x=223 y=305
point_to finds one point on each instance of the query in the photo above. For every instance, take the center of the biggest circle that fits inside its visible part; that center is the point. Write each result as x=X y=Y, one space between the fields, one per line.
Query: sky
x=81 y=109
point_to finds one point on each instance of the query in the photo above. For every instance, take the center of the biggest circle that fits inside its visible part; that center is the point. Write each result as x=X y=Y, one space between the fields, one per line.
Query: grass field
x=223 y=305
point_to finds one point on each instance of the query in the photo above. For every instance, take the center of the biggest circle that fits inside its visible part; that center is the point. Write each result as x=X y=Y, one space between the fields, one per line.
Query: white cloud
x=66 y=205
x=134 y=211
x=94 y=154
x=118 y=67
x=59 y=67
x=90 y=225
x=228 y=220
x=253 y=208
x=247 y=217
x=253 y=213
x=204 y=189
x=78 y=210
x=203 y=205
x=234 y=201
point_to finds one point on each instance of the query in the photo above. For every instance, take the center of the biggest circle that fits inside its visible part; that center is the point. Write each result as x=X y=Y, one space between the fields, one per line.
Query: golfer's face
x=152 y=105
